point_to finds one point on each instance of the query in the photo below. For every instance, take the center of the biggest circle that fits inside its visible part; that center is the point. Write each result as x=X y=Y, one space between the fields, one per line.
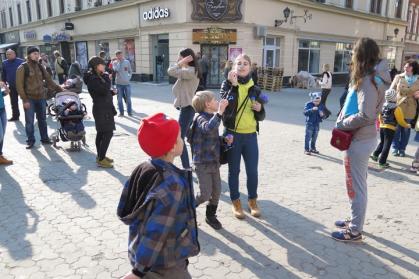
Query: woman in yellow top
x=405 y=84
x=241 y=120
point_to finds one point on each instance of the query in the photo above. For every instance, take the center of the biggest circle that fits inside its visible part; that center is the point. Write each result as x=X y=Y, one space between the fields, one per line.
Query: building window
x=271 y=52
x=11 y=16
x=342 y=58
x=3 y=19
x=309 y=56
x=38 y=9
x=375 y=6
x=78 y=5
x=349 y=4
x=28 y=10
x=399 y=6
x=62 y=6
x=127 y=46
x=19 y=14
x=49 y=8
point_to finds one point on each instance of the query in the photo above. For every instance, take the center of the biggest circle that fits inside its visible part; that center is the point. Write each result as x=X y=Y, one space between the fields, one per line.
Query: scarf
x=410 y=80
x=243 y=80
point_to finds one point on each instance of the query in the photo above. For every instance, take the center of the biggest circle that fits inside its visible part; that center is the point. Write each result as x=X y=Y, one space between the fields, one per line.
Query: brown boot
x=254 y=209
x=237 y=209
x=4 y=161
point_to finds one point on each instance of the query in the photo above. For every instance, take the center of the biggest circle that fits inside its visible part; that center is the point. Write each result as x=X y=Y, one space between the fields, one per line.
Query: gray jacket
x=185 y=86
x=123 y=72
x=370 y=102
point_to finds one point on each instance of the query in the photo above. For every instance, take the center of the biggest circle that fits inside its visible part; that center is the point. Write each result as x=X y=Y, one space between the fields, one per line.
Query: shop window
x=49 y=8
x=399 y=6
x=271 y=52
x=309 y=56
x=82 y=54
x=375 y=7
x=103 y=46
x=342 y=58
x=391 y=56
x=127 y=46
x=38 y=9
x=349 y=4
x=28 y=10
x=19 y=14
x=11 y=16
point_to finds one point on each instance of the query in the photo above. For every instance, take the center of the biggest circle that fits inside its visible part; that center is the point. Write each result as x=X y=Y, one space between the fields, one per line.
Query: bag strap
x=242 y=108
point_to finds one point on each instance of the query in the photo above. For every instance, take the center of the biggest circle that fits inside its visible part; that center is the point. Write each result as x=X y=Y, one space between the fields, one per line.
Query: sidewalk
x=58 y=210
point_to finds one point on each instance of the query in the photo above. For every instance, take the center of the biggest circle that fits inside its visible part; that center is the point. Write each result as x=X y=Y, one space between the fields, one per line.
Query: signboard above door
x=216 y=10
x=214 y=36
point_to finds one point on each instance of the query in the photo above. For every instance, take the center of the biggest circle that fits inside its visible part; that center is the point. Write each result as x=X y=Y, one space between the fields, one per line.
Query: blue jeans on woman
x=185 y=120
x=124 y=93
x=401 y=138
x=3 y=122
x=245 y=145
x=37 y=107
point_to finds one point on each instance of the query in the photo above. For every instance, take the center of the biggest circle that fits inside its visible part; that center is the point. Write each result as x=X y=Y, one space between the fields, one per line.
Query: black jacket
x=230 y=92
x=103 y=109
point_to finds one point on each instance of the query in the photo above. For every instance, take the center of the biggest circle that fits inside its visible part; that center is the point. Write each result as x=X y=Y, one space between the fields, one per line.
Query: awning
x=3 y=46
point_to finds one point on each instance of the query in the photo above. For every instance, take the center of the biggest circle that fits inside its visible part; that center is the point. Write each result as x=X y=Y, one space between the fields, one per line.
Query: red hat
x=158 y=134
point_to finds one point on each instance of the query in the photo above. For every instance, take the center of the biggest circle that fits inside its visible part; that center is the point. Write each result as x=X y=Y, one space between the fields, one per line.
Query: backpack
x=63 y=65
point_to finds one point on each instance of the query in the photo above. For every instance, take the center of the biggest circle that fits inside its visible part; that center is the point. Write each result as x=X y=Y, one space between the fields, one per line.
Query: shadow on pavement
x=13 y=207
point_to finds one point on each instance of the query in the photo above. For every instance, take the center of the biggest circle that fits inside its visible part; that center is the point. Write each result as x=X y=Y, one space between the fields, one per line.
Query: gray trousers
x=178 y=272
x=416 y=160
x=209 y=183
x=356 y=171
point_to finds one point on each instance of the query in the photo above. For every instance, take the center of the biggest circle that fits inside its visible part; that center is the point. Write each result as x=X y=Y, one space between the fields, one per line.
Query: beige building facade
x=294 y=35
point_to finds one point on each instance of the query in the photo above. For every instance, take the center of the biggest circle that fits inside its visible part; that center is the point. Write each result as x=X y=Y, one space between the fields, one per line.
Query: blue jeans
x=3 y=122
x=124 y=93
x=245 y=145
x=311 y=137
x=185 y=119
x=37 y=107
x=401 y=138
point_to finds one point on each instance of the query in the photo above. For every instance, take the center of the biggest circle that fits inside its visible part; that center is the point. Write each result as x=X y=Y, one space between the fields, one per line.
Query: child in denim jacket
x=314 y=112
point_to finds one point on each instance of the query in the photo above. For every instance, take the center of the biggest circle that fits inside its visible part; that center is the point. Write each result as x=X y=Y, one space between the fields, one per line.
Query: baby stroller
x=69 y=113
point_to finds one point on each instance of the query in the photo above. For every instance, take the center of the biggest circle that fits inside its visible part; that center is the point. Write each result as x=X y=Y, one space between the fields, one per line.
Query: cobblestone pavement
x=58 y=220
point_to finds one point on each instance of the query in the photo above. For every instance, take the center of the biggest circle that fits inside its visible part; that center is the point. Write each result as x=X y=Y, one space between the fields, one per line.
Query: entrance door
x=217 y=55
x=160 y=57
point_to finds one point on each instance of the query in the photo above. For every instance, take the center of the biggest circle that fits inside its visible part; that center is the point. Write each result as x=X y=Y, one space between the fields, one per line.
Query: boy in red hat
x=158 y=204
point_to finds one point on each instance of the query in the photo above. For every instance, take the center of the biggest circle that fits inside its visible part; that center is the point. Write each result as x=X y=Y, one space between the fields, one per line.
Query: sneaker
x=314 y=151
x=104 y=164
x=414 y=167
x=211 y=217
x=395 y=153
x=121 y=115
x=347 y=236
x=384 y=166
x=13 y=119
x=129 y=113
x=106 y=158
x=237 y=209
x=253 y=207
x=402 y=153
x=4 y=161
x=307 y=152
x=374 y=158
x=343 y=224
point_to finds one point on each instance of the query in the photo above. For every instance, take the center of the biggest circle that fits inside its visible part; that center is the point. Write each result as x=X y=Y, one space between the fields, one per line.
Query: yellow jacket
x=398 y=113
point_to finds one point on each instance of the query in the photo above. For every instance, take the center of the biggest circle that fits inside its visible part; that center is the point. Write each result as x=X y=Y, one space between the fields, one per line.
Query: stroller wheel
x=51 y=110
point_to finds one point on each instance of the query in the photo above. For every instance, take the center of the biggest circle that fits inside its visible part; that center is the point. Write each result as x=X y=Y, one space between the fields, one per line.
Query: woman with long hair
x=369 y=80
x=99 y=87
x=241 y=121
x=405 y=84
x=186 y=70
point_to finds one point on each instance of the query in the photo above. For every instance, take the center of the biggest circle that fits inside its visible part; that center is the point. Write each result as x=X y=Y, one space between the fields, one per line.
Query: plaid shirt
x=162 y=230
x=206 y=139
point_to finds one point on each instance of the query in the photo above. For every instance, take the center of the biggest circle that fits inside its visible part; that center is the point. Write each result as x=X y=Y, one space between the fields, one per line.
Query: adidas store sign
x=156 y=13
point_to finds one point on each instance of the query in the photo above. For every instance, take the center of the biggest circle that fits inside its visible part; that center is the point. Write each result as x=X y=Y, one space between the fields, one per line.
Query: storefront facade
x=294 y=35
